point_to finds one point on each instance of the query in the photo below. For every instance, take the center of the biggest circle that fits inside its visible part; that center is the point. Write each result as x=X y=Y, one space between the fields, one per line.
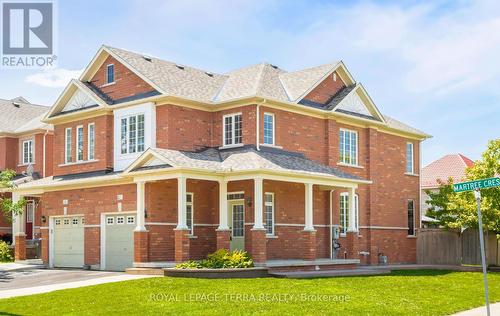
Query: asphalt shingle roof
x=445 y=167
x=19 y=116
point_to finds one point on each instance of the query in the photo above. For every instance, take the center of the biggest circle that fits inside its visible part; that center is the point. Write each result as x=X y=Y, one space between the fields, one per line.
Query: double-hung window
x=91 y=141
x=233 y=132
x=189 y=212
x=79 y=143
x=269 y=212
x=344 y=212
x=409 y=158
x=132 y=134
x=411 y=217
x=348 y=145
x=268 y=128
x=67 y=146
x=27 y=152
x=110 y=73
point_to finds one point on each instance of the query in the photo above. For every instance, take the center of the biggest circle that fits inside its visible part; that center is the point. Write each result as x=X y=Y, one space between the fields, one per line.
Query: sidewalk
x=481 y=311
x=21 y=265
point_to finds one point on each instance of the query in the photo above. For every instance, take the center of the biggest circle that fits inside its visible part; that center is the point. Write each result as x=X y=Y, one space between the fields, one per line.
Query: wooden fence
x=439 y=246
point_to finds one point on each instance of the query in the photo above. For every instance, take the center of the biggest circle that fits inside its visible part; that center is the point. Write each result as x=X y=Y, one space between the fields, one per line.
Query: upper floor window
x=79 y=143
x=91 y=142
x=110 y=73
x=233 y=132
x=344 y=212
x=132 y=134
x=27 y=152
x=348 y=145
x=189 y=212
x=269 y=128
x=269 y=212
x=411 y=217
x=409 y=158
x=67 y=146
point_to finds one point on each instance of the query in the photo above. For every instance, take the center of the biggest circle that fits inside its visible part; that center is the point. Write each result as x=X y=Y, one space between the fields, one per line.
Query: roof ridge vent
x=274 y=66
x=147 y=58
x=209 y=74
x=181 y=67
x=16 y=104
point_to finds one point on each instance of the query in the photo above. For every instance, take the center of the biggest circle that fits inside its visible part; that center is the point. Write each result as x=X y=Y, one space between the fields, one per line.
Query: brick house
x=156 y=163
x=26 y=148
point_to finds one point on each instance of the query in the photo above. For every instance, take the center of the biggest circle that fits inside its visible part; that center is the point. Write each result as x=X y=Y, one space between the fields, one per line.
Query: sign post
x=476 y=186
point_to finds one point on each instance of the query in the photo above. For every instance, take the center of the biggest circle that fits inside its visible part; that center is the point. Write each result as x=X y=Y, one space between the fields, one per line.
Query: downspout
x=420 y=184
x=44 y=152
x=331 y=224
x=257 y=128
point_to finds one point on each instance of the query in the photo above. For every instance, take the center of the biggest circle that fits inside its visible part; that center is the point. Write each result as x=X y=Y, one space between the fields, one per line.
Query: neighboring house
x=26 y=148
x=450 y=166
x=156 y=163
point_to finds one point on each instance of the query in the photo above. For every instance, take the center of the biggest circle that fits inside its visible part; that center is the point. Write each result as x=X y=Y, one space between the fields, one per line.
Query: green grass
x=420 y=292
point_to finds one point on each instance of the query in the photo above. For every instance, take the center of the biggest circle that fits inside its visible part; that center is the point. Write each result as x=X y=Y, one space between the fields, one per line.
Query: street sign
x=476 y=185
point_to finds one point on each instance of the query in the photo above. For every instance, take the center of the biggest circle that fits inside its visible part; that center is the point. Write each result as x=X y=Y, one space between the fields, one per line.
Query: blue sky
x=434 y=65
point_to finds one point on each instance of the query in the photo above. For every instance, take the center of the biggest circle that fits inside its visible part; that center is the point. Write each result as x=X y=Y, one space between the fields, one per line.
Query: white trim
x=77 y=163
x=272 y=204
x=159 y=224
x=356 y=199
x=412 y=172
x=273 y=129
x=88 y=141
x=233 y=129
x=192 y=211
x=357 y=147
x=30 y=148
x=67 y=143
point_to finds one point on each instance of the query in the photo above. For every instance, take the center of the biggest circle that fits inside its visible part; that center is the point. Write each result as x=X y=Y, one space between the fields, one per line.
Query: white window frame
x=67 y=144
x=413 y=216
x=31 y=152
x=122 y=218
x=411 y=159
x=233 y=129
x=271 y=204
x=91 y=144
x=79 y=130
x=30 y=211
x=342 y=159
x=130 y=220
x=191 y=204
x=127 y=133
x=107 y=73
x=110 y=220
x=345 y=212
x=273 y=142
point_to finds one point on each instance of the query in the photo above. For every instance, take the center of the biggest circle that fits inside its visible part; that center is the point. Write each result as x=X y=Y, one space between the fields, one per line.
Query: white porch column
x=223 y=205
x=258 y=209
x=308 y=207
x=181 y=203
x=18 y=226
x=352 y=211
x=141 y=206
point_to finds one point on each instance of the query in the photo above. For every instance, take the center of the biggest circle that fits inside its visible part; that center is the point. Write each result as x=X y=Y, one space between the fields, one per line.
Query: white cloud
x=53 y=78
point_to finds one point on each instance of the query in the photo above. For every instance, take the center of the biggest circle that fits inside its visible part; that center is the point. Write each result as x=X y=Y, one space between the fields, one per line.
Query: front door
x=237 y=225
x=30 y=217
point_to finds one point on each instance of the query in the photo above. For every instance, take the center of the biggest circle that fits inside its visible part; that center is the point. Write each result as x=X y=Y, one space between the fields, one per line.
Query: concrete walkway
x=21 y=265
x=481 y=311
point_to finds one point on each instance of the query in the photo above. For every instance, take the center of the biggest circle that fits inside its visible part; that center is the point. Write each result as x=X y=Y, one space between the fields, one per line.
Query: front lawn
x=422 y=292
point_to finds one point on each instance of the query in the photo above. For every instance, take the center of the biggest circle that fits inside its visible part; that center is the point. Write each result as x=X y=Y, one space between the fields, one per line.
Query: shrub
x=5 y=252
x=221 y=259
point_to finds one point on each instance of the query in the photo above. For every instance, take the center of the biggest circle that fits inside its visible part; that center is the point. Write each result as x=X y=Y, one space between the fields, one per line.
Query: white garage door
x=119 y=248
x=68 y=242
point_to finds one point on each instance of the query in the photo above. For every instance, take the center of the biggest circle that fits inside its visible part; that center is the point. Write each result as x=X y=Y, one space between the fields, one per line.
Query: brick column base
x=45 y=245
x=141 y=246
x=352 y=245
x=309 y=237
x=223 y=238
x=181 y=245
x=259 y=246
x=20 y=247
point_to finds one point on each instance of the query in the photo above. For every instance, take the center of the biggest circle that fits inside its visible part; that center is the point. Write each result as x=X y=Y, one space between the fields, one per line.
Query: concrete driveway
x=34 y=281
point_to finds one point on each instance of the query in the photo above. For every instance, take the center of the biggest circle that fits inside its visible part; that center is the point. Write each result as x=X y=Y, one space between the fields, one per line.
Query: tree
x=8 y=207
x=458 y=210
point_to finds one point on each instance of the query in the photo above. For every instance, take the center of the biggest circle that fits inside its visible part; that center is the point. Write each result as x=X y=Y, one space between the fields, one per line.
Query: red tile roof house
x=156 y=163
x=25 y=147
x=449 y=166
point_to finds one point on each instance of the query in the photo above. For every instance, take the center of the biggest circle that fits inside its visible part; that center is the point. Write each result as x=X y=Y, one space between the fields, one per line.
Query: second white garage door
x=68 y=242
x=119 y=241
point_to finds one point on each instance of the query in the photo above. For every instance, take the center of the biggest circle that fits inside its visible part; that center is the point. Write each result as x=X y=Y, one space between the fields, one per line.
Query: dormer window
x=110 y=73
x=233 y=129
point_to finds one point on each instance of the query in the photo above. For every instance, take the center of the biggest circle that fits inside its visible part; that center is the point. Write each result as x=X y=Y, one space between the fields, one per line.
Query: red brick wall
x=325 y=90
x=126 y=82
x=8 y=153
x=103 y=146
